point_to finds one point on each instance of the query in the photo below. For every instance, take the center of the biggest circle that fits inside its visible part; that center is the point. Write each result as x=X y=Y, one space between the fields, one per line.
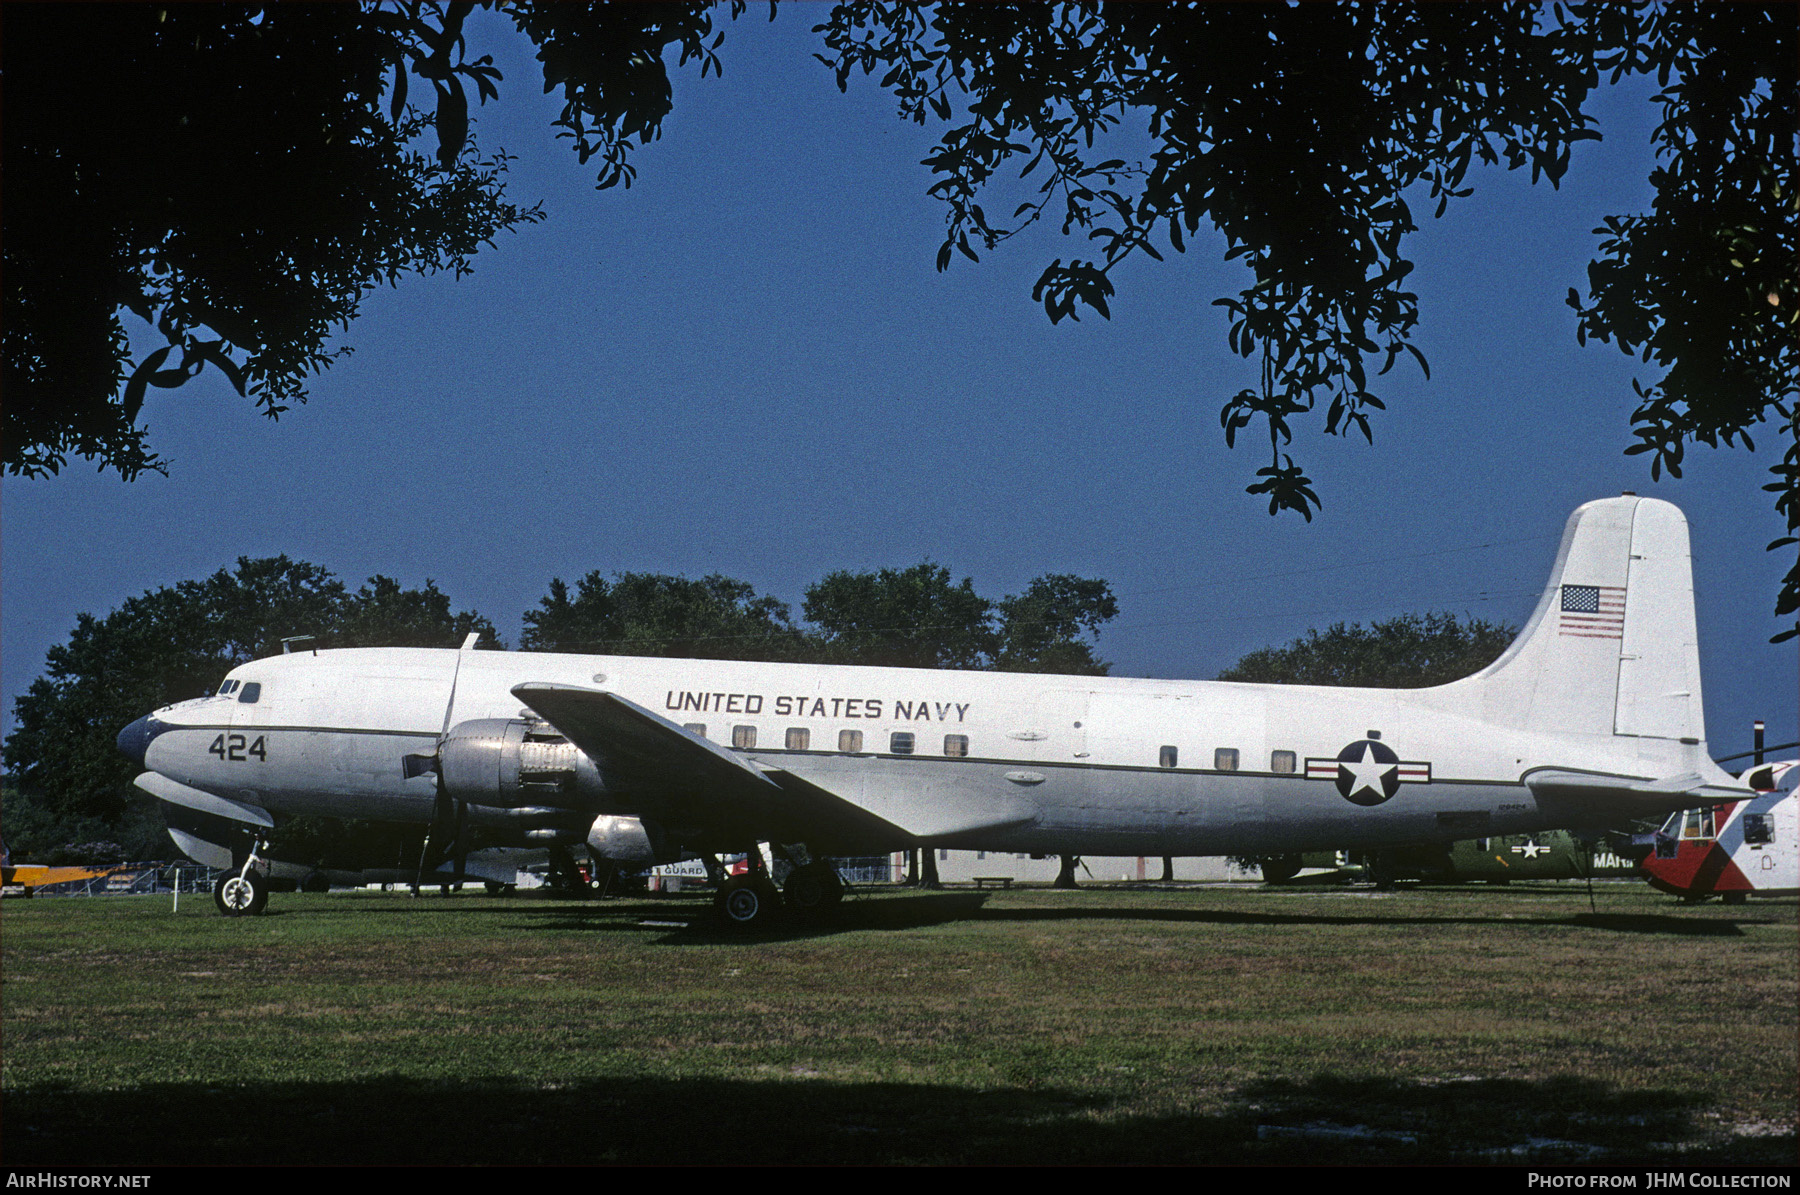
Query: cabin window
x=698 y=728
x=956 y=745
x=798 y=738
x=1167 y=757
x=1225 y=759
x=943 y=856
x=250 y=693
x=743 y=737
x=850 y=740
x=1282 y=761
x=901 y=742
x=1759 y=829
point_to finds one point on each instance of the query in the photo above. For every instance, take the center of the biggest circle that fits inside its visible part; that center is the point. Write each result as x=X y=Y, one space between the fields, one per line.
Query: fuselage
x=986 y=760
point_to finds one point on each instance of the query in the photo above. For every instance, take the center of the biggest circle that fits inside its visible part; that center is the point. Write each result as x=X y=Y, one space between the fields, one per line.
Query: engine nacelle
x=629 y=840
x=512 y=763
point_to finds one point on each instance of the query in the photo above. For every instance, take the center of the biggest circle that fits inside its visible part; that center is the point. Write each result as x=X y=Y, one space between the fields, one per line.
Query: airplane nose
x=134 y=740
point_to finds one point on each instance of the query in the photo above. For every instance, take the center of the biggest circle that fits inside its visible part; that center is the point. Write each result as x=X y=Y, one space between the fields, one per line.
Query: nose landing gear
x=243 y=893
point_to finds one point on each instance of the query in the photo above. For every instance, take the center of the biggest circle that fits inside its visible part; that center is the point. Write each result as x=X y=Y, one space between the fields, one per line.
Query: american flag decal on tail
x=1592 y=611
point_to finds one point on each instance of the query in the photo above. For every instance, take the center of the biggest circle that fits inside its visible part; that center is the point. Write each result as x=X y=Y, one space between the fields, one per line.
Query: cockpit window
x=226 y=689
x=251 y=692
x=1699 y=824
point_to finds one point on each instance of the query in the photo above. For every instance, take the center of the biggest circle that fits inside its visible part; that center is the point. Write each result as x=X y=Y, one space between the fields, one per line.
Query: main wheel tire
x=747 y=902
x=241 y=895
x=814 y=890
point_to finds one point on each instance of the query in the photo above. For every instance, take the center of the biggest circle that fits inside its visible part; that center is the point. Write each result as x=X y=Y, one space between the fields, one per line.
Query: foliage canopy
x=239 y=177
x=1304 y=134
x=1413 y=651
x=652 y=614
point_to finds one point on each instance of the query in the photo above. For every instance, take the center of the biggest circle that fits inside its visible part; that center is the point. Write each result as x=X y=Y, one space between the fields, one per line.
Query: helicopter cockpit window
x=1698 y=824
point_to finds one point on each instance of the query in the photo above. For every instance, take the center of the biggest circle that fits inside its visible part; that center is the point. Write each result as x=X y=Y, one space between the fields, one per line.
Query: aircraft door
x=1060 y=718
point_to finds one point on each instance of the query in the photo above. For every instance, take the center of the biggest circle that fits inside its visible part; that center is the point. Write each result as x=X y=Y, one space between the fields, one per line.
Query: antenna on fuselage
x=287 y=645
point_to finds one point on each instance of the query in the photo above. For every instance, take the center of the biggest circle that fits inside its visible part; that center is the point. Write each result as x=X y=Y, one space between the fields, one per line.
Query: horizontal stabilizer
x=1626 y=792
x=177 y=793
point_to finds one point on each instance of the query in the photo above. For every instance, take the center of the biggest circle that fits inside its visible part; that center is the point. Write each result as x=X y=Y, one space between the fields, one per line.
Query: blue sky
x=747 y=363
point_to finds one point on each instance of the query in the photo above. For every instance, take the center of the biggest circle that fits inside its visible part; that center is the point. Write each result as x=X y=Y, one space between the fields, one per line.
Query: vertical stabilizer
x=1611 y=648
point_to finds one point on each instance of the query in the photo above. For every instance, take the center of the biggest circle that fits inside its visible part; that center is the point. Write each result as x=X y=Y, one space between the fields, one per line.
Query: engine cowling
x=513 y=764
x=533 y=780
x=629 y=840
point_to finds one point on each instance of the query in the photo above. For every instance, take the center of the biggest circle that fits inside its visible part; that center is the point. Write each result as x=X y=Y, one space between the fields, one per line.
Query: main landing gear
x=752 y=901
x=813 y=890
x=748 y=901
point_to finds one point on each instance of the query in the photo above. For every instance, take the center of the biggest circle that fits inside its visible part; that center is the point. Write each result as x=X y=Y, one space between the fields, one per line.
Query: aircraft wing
x=662 y=768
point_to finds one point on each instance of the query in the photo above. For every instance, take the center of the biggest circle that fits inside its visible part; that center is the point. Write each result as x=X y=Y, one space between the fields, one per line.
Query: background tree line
x=69 y=794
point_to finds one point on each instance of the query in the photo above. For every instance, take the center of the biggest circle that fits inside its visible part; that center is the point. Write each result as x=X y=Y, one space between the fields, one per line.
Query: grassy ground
x=1192 y=1025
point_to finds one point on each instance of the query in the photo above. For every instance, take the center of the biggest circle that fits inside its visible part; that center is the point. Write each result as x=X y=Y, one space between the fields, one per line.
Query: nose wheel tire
x=241 y=895
x=747 y=902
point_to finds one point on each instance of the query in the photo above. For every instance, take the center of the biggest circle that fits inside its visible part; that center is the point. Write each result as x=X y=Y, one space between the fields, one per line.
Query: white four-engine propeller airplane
x=1591 y=717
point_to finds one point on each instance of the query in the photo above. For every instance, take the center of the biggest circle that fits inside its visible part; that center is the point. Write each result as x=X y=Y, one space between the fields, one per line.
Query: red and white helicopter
x=1733 y=849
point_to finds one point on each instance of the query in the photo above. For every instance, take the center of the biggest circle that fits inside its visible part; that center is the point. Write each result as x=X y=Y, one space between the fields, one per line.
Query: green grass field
x=1105 y=1025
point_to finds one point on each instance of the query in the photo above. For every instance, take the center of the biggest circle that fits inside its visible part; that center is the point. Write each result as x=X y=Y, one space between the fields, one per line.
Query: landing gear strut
x=244 y=892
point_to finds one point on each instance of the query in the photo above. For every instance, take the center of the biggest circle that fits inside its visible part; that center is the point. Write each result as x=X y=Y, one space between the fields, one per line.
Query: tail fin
x=1611 y=648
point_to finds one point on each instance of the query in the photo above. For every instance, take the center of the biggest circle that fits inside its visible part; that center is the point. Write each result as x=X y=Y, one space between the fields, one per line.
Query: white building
x=961 y=867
